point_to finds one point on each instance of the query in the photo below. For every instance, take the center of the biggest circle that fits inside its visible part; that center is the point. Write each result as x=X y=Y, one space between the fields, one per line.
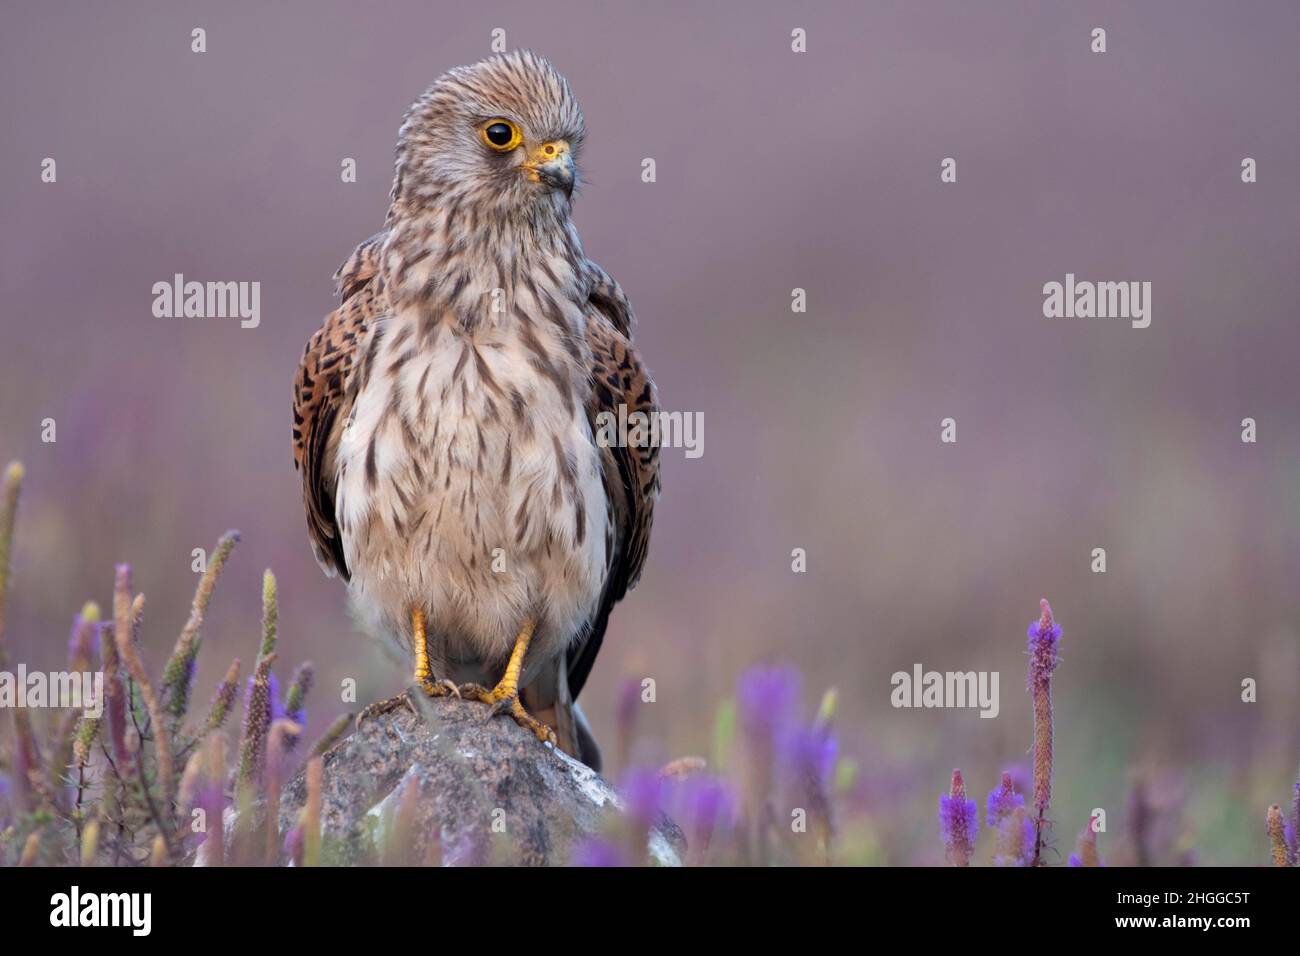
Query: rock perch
x=487 y=792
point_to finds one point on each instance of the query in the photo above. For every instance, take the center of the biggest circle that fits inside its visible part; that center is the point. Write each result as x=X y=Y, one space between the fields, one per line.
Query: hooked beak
x=552 y=164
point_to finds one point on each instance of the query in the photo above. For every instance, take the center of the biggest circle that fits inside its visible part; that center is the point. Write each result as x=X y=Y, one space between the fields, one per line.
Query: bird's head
x=502 y=135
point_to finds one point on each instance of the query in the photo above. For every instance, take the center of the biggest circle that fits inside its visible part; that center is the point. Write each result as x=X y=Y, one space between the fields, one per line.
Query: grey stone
x=469 y=772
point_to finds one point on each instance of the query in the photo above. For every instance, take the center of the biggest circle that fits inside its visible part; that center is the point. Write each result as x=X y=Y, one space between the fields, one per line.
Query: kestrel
x=445 y=414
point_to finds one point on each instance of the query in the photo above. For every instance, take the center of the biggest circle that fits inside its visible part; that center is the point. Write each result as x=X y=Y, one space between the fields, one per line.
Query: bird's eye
x=501 y=134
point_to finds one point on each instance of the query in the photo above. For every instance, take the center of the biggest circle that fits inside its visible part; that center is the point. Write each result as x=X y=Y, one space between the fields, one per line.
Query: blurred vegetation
x=149 y=780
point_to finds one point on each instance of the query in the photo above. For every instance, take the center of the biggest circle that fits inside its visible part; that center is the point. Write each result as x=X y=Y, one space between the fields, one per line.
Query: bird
x=448 y=415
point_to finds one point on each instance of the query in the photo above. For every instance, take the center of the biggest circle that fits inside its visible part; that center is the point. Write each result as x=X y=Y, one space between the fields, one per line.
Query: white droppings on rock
x=661 y=849
x=596 y=789
x=590 y=784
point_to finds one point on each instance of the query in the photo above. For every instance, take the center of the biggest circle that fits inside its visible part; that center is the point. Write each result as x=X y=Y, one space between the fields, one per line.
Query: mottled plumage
x=443 y=414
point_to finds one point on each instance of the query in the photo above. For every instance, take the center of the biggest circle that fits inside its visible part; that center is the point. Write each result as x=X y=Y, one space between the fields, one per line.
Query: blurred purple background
x=775 y=171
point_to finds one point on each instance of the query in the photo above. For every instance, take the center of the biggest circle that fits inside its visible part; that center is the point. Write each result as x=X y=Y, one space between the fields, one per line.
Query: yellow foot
x=431 y=688
x=507 y=702
x=381 y=707
x=504 y=698
x=423 y=675
x=439 y=688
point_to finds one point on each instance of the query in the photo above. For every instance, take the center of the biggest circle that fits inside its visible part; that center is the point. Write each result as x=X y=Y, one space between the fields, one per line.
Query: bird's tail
x=572 y=727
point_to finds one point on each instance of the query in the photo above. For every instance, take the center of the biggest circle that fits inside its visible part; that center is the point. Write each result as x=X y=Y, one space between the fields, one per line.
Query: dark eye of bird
x=498 y=134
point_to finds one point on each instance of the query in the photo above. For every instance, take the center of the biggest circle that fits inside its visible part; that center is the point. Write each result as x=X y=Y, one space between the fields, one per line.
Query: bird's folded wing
x=630 y=463
x=321 y=398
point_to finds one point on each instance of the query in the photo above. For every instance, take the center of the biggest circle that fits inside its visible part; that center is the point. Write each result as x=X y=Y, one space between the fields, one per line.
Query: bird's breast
x=469 y=482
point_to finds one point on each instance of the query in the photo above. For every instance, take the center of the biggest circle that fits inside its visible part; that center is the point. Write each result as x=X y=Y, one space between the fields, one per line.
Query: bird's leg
x=381 y=707
x=504 y=698
x=423 y=675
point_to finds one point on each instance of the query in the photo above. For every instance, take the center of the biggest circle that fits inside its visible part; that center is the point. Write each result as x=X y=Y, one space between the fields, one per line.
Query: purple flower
x=594 y=851
x=812 y=751
x=702 y=805
x=1003 y=801
x=1044 y=638
x=958 y=822
x=275 y=703
x=1022 y=776
x=766 y=699
x=262 y=708
x=642 y=791
x=277 y=708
